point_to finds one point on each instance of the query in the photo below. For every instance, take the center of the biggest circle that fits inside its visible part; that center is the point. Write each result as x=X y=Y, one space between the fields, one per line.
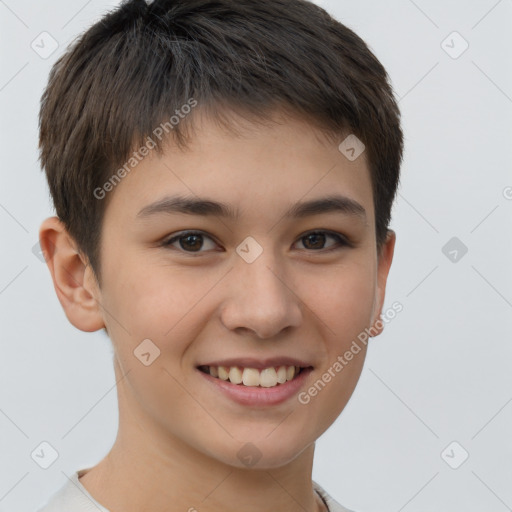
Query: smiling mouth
x=252 y=377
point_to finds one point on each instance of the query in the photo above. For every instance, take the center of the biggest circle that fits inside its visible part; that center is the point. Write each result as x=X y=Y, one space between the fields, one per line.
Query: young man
x=223 y=174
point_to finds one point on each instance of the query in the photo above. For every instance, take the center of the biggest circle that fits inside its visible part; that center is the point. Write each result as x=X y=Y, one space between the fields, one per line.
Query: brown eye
x=193 y=241
x=316 y=240
x=190 y=241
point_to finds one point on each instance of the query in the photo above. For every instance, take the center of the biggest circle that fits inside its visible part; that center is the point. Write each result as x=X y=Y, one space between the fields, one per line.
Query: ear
x=73 y=278
x=384 y=259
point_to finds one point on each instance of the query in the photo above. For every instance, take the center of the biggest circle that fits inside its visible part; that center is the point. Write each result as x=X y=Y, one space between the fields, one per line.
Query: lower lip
x=256 y=395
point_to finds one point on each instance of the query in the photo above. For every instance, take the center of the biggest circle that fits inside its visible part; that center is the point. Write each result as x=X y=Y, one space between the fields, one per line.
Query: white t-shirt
x=74 y=497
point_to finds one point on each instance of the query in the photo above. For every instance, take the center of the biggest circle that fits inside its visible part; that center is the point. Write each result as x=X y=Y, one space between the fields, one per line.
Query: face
x=186 y=290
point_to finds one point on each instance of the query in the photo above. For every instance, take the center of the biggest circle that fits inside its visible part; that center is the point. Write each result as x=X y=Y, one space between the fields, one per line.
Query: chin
x=264 y=452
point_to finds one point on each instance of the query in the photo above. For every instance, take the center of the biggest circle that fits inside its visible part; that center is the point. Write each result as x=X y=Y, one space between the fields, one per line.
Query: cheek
x=157 y=304
x=343 y=300
x=162 y=303
x=346 y=316
x=153 y=301
x=344 y=304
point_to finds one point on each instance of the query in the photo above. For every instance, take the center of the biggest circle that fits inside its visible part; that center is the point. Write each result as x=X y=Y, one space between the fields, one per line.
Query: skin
x=178 y=437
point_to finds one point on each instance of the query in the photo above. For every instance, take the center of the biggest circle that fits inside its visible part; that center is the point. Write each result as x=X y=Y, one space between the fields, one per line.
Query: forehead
x=283 y=168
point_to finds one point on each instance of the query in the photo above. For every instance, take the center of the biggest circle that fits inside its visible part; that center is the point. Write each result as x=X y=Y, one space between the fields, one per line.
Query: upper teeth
x=266 y=378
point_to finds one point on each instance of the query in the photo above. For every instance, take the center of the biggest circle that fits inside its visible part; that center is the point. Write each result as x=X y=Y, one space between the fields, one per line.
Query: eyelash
x=342 y=241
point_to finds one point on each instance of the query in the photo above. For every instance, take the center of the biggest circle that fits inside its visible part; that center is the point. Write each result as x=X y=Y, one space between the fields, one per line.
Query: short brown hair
x=143 y=61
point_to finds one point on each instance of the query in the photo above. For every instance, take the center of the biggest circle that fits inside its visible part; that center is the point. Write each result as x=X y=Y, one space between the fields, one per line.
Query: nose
x=261 y=299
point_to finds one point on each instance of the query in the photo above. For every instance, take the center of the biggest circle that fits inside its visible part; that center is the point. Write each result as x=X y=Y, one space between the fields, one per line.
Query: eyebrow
x=207 y=207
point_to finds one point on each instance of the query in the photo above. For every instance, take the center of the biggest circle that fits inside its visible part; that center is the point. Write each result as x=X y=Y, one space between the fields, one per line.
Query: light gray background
x=441 y=370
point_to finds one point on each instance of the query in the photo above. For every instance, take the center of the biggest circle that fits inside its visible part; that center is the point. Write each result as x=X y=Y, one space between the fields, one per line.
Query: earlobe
x=72 y=277
x=384 y=259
